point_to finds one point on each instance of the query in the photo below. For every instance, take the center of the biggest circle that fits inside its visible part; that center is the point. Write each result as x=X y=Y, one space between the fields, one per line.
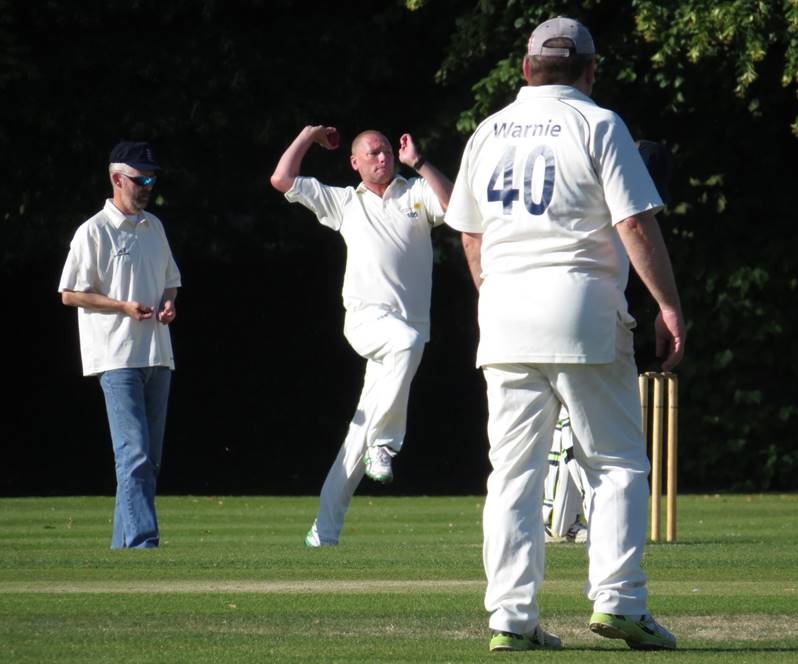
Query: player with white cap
x=553 y=201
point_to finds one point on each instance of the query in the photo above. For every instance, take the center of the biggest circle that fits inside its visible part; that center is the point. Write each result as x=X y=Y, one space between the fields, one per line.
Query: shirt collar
x=397 y=182
x=552 y=91
x=118 y=218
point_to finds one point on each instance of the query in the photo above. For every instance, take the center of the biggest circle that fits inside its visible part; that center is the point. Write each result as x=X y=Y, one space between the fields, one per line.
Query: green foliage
x=735 y=35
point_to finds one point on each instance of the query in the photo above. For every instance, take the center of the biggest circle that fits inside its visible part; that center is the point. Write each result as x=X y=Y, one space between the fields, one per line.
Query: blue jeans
x=135 y=400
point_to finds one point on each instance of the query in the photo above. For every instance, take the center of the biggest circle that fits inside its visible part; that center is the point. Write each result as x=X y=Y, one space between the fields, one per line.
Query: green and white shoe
x=537 y=640
x=378 y=463
x=640 y=633
x=312 y=539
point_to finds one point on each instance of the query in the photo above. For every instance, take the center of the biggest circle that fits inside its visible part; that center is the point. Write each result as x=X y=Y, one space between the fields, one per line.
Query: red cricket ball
x=333 y=137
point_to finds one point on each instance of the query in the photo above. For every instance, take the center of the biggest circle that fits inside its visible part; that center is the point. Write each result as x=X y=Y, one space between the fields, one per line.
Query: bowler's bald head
x=364 y=134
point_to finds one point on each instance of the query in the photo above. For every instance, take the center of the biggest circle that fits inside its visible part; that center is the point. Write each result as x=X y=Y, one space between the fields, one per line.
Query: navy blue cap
x=139 y=155
x=659 y=162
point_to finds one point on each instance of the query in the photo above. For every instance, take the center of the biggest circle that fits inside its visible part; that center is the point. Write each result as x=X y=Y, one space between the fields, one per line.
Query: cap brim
x=141 y=166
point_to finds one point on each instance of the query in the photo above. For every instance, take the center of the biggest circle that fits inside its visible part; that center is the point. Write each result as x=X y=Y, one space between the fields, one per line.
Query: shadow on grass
x=707 y=649
x=764 y=649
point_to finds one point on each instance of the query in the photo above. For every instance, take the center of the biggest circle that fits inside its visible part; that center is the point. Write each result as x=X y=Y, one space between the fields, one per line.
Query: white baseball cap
x=564 y=28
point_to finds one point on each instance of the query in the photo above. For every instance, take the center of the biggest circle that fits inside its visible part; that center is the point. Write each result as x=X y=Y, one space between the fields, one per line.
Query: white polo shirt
x=389 y=250
x=545 y=180
x=113 y=256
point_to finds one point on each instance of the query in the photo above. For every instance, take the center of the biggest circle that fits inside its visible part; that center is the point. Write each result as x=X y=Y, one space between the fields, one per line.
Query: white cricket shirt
x=389 y=250
x=126 y=261
x=545 y=180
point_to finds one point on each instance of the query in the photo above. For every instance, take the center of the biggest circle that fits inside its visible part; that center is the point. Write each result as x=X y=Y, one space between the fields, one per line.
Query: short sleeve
x=326 y=202
x=172 y=273
x=79 y=273
x=628 y=187
x=462 y=213
x=432 y=205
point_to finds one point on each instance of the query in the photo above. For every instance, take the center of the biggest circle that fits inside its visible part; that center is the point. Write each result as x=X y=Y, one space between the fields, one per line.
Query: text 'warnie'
x=514 y=130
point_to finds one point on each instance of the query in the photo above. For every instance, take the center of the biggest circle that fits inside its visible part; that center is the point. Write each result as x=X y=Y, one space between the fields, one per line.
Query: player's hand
x=408 y=154
x=137 y=311
x=670 y=336
x=327 y=137
x=167 y=313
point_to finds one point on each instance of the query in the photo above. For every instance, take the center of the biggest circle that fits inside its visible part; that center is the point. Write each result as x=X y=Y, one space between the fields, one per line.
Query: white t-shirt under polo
x=389 y=250
x=113 y=256
x=545 y=180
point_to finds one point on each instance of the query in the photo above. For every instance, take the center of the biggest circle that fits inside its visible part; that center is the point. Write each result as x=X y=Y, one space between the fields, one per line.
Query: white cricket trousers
x=392 y=348
x=604 y=406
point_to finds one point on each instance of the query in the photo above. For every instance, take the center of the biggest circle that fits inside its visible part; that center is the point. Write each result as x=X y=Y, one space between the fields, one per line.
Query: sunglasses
x=141 y=180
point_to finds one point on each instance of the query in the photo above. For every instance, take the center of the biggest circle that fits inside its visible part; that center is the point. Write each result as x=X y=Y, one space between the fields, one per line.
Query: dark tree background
x=265 y=383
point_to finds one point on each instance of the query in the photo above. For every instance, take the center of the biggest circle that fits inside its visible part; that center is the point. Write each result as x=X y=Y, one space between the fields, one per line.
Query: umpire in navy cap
x=133 y=170
x=122 y=277
x=136 y=154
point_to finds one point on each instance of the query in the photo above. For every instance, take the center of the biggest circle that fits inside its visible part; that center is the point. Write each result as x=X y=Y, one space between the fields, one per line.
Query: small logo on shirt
x=412 y=213
x=122 y=252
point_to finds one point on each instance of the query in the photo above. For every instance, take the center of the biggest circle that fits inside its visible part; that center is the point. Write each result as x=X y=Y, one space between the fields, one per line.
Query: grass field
x=232 y=582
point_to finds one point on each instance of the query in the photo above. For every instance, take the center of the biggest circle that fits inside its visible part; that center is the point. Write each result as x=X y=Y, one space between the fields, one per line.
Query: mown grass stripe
x=551 y=587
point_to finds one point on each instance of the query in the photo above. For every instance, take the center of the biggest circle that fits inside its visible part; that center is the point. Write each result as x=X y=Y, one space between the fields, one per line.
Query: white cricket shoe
x=312 y=539
x=378 y=463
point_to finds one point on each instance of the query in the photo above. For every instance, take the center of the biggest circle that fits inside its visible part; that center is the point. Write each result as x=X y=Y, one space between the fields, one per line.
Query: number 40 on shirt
x=500 y=186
